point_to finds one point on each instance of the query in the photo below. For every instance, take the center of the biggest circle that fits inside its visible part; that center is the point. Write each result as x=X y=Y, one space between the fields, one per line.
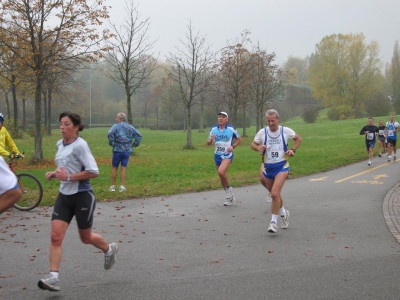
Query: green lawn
x=160 y=165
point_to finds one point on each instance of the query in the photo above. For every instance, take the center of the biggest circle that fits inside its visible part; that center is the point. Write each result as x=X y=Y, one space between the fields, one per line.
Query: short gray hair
x=271 y=112
x=122 y=116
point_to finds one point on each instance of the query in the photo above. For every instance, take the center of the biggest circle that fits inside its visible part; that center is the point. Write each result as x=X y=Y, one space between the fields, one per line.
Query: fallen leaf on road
x=213 y=262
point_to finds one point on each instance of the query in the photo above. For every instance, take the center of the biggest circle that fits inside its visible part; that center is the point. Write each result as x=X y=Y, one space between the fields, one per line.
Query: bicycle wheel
x=32 y=192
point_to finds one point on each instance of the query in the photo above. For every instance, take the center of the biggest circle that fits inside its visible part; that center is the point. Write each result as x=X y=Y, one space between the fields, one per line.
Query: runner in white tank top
x=272 y=145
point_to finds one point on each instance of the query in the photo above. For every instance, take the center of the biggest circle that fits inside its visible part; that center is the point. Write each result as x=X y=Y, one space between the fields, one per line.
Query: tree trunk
x=185 y=119
x=201 y=123
x=45 y=107
x=38 y=155
x=157 y=118
x=14 y=96
x=189 y=143
x=129 y=108
x=8 y=105
x=258 y=119
x=49 y=98
x=24 y=114
x=244 y=123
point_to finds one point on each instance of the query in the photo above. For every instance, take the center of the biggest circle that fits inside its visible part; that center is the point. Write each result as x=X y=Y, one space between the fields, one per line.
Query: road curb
x=391 y=211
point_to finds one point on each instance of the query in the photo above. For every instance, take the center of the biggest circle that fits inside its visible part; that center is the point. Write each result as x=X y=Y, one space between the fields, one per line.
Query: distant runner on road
x=391 y=135
x=370 y=130
x=381 y=138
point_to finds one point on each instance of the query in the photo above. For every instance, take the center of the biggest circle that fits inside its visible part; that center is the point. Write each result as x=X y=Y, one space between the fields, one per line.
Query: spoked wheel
x=32 y=192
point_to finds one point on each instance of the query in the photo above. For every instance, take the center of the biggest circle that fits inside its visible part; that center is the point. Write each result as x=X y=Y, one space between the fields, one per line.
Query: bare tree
x=186 y=69
x=234 y=73
x=127 y=54
x=266 y=81
x=168 y=91
x=143 y=103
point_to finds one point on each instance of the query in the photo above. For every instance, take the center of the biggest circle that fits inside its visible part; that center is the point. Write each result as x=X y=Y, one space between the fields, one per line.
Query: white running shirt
x=8 y=179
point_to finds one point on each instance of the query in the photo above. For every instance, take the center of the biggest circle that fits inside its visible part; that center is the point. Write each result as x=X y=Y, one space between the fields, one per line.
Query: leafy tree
x=50 y=31
x=11 y=71
x=343 y=70
x=297 y=68
x=396 y=76
x=388 y=80
x=378 y=105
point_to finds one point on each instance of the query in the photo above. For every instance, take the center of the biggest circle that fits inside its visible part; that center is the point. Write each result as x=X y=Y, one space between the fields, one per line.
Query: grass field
x=160 y=165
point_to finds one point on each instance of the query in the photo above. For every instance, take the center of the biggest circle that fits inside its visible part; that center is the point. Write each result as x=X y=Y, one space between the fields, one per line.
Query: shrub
x=31 y=130
x=378 y=105
x=340 y=112
x=310 y=114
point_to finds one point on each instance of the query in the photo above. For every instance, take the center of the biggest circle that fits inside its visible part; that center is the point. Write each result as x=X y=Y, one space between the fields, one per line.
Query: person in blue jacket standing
x=122 y=137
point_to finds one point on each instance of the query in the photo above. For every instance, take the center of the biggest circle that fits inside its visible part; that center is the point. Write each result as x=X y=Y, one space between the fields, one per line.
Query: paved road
x=338 y=244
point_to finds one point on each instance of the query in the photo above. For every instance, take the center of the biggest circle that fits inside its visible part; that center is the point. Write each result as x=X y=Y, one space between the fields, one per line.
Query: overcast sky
x=286 y=27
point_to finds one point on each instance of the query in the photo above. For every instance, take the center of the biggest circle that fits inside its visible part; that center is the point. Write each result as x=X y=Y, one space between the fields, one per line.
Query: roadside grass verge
x=160 y=165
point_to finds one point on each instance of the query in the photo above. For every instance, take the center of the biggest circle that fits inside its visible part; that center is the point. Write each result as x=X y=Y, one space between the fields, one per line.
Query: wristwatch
x=69 y=177
x=294 y=150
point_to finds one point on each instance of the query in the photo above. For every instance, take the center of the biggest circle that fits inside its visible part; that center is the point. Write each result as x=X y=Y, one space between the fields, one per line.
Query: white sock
x=282 y=211
x=109 y=251
x=54 y=274
x=274 y=219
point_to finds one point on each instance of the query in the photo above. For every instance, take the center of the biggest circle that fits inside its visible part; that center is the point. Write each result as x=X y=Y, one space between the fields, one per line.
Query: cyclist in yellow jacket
x=6 y=140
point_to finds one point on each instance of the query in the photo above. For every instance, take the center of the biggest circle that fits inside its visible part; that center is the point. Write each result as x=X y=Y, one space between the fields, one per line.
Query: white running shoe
x=229 y=196
x=112 y=188
x=272 y=227
x=229 y=192
x=369 y=163
x=285 y=220
x=269 y=198
x=122 y=189
x=110 y=260
x=389 y=158
x=228 y=202
x=50 y=283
